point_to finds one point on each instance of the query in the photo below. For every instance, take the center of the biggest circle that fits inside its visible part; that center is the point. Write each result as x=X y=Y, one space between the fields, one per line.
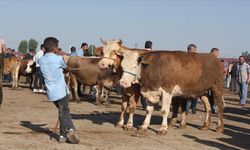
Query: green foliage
x=33 y=44
x=91 y=49
x=245 y=54
x=23 y=46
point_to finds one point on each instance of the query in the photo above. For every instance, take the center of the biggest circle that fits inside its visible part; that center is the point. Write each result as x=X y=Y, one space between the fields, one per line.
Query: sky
x=169 y=24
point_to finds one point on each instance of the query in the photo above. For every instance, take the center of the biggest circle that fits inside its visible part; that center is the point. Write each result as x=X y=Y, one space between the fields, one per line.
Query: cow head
x=131 y=65
x=111 y=50
x=29 y=68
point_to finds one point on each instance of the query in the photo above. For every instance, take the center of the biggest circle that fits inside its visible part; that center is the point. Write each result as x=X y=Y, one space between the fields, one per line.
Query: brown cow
x=86 y=71
x=164 y=75
x=111 y=51
x=18 y=67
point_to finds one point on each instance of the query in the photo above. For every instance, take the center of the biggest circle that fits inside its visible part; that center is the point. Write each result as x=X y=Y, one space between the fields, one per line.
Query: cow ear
x=120 y=42
x=118 y=53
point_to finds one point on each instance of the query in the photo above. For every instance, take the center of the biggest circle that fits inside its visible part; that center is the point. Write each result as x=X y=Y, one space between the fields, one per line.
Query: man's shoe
x=62 y=139
x=73 y=138
x=35 y=90
x=193 y=111
x=40 y=90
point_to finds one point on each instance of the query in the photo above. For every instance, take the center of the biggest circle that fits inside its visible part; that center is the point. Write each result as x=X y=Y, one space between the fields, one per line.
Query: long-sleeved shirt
x=52 y=66
x=38 y=55
x=79 y=52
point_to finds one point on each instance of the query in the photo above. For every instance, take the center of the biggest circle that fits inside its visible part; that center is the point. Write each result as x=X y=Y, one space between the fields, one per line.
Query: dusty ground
x=27 y=119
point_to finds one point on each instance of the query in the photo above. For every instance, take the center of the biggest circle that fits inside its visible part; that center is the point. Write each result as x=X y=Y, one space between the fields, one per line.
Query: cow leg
x=175 y=108
x=149 y=110
x=207 y=106
x=74 y=84
x=132 y=107
x=166 y=102
x=183 y=103
x=152 y=97
x=217 y=94
x=106 y=93
x=125 y=100
x=99 y=90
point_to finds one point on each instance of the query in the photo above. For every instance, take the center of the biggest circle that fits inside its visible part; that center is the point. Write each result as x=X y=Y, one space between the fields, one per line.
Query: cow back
x=192 y=72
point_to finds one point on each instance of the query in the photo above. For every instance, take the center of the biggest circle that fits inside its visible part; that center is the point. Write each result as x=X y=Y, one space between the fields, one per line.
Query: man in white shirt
x=38 y=74
x=2 y=45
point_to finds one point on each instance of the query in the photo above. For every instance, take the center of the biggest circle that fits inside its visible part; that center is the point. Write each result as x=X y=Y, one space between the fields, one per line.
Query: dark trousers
x=143 y=102
x=193 y=104
x=38 y=78
x=233 y=84
x=64 y=115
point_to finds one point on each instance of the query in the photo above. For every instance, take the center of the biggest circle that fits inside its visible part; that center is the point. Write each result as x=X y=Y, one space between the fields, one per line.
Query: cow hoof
x=128 y=128
x=98 y=103
x=107 y=104
x=171 y=124
x=219 y=130
x=204 y=128
x=162 y=132
x=78 y=101
x=118 y=125
x=142 y=130
x=183 y=126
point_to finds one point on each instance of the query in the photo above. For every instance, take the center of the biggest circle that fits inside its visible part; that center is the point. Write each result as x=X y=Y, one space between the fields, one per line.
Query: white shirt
x=38 y=55
x=2 y=44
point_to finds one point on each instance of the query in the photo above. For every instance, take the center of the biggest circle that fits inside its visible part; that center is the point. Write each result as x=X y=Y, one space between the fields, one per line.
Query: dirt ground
x=27 y=121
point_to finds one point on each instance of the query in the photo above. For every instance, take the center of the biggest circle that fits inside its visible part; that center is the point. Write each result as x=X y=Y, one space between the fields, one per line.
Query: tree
x=33 y=44
x=23 y=46
x=91 y=49
x=246 y=54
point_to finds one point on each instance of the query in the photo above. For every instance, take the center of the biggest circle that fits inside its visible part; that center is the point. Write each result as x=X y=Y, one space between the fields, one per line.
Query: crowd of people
x=49 y=73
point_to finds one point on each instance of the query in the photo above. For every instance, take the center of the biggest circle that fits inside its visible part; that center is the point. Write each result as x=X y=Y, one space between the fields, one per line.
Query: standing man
x=80 y=52
x=72 y=51
x=148 y=46
x=2 y=45
x=38 y=74
x=243 y=79
x=52 y=66
x=233 y=74
x=191 y=49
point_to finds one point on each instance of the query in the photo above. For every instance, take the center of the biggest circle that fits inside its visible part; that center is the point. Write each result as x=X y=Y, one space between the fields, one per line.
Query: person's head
x=192 y=48
x=32 y=51
x=148 y=45
x=84 y=46
x=215 y=52
x=51 y=44
x=42 y=47
x=73 y=49
x=13 y=50
x=242 y=59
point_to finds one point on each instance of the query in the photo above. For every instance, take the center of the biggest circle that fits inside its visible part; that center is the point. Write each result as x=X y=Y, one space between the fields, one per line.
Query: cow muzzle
x=125 y=84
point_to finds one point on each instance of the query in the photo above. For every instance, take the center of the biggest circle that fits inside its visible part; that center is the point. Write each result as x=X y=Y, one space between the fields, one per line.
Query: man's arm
x=248 y=73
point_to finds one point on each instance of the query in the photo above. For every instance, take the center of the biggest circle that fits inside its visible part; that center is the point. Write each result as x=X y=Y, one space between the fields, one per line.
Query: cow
x=164 y=75
x=86 y=71
x=18 y=67
x=113 y=49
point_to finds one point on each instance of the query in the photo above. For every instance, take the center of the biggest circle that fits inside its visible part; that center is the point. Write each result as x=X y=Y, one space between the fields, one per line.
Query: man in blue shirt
x=52 y=66
x=80 y=52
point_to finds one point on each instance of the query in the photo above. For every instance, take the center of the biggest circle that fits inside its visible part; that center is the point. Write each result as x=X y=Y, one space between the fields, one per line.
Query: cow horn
x=120 y=41
x=103 y=41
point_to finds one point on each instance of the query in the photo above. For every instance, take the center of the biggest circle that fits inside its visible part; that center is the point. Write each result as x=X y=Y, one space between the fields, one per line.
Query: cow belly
x=152 y=96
